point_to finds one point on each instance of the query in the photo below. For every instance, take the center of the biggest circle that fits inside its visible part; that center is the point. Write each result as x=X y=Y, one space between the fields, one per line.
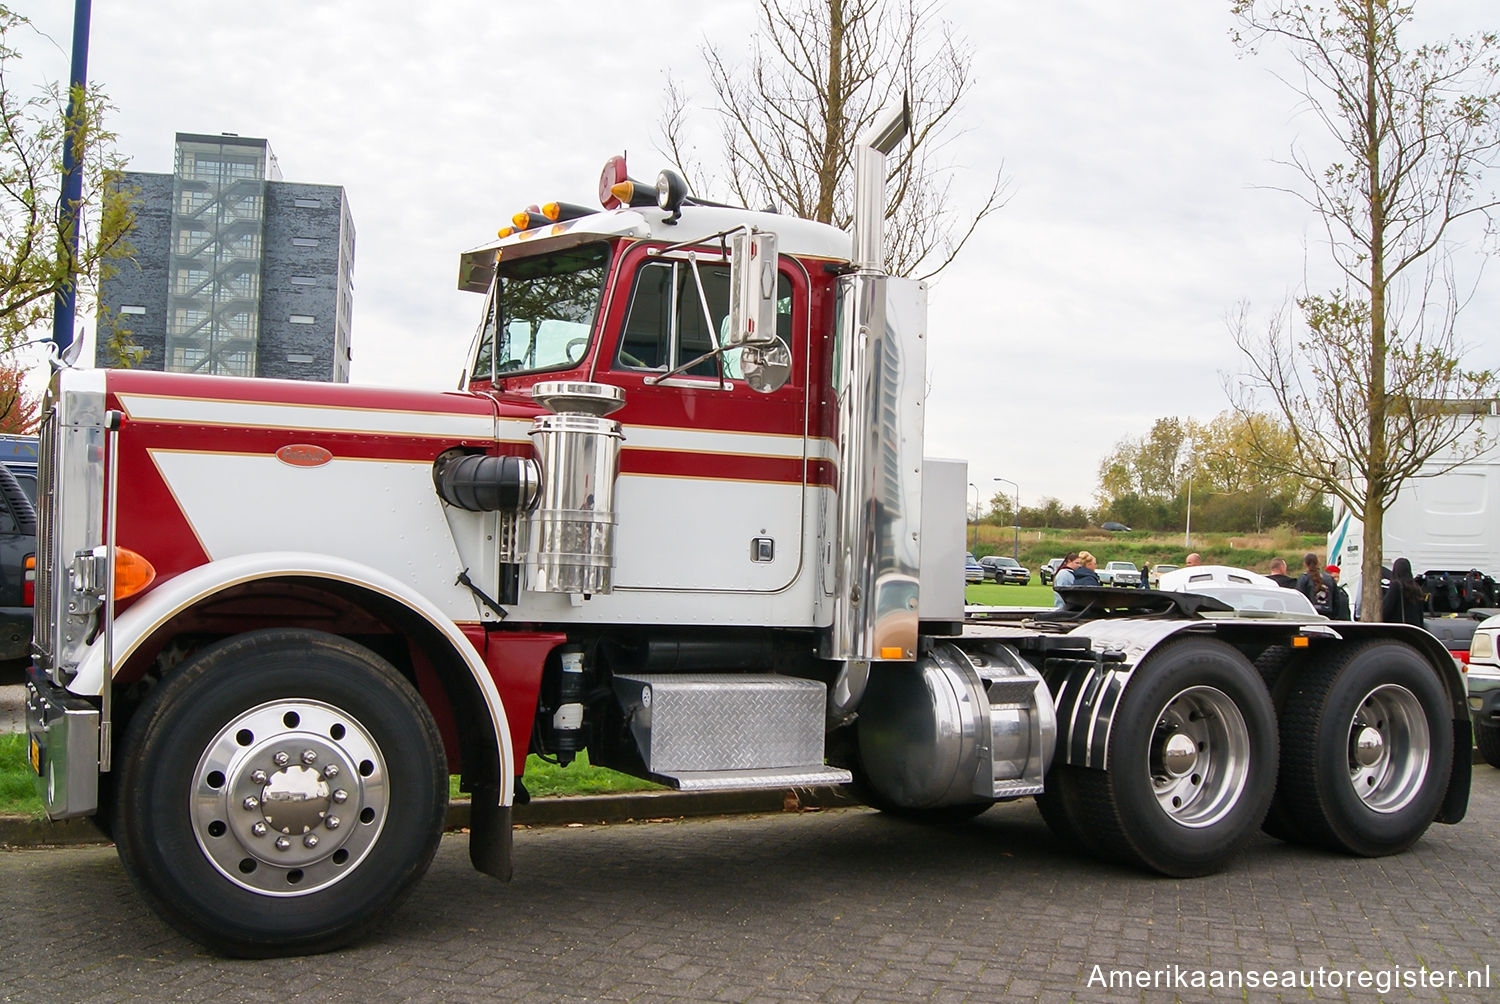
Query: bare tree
x=35 y=260
x=1370 y=377
x=819 y=72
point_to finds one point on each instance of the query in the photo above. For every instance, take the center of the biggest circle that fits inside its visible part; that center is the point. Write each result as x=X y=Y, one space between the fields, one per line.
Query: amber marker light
x=1300 y=641
x=132 y=573
x=892 y=651
x=504 y=232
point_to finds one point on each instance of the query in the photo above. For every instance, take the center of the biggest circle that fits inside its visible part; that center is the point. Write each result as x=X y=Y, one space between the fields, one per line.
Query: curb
x=578 y=810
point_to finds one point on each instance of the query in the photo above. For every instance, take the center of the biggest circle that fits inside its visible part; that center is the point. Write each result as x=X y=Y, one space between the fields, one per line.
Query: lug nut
x=281 y=759
x=332 y=770
x=282 y=843
x=259 y=829
x=332 y=822
x=251 y=802
x=311 y=840
x=340 y=796
x=309 y=756
x=259 y=776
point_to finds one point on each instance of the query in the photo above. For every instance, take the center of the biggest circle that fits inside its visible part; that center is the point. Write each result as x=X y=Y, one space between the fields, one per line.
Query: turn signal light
x=132 y=573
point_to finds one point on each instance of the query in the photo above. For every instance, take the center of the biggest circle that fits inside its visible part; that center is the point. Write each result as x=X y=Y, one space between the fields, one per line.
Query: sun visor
x=476 y=267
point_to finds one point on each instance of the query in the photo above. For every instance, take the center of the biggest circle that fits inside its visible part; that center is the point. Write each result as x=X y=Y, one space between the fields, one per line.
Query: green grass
x=18 y=793
x=17 y=783
x=996 y=595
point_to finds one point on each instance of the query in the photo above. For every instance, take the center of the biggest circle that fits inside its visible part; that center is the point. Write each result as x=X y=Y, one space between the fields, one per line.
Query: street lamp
x=1015 y=518
x=975 y=546
x=1187 y=530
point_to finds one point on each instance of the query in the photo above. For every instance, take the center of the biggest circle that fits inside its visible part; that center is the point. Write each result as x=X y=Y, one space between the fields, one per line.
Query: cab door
x=712 y=487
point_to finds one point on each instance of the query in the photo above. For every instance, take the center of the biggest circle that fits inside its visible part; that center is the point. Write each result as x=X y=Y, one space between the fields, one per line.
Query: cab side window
x=667 y=326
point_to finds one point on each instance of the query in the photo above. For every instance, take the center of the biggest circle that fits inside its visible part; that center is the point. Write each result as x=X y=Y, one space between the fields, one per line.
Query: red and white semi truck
x=677 y=513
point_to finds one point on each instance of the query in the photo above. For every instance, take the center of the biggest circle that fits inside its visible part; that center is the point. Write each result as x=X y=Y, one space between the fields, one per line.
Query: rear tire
x=1367 y=749
x=1192 y=762
x=1487 y=738
x=280 y=793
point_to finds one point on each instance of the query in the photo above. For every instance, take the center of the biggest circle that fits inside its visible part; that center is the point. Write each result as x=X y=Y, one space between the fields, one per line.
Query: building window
x=304 y=280
x=302 y=319
x=132 y=309
x=308 y=203
x=298 y=357
x=304 y=242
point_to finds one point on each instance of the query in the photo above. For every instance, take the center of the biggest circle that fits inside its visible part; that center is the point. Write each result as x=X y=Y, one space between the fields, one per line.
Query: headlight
x=1483 y=645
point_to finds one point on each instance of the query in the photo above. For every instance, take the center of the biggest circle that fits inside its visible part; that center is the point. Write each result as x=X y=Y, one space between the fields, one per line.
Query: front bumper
x=62 y=732
x=1484 y=695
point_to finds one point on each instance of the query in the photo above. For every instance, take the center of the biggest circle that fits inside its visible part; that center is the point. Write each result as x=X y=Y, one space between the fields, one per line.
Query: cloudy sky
x=1138 y=144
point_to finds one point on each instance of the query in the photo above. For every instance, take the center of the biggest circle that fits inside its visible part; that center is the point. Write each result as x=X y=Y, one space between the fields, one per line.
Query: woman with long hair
x=1315 y=584
x=1403 y=602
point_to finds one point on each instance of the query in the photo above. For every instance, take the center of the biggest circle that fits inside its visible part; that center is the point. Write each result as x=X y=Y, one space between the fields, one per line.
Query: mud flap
x=1456 y=802
x=490 y=833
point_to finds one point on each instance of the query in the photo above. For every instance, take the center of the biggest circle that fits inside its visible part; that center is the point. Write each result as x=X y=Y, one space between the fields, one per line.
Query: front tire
x=280 y=793
x=1192 y=762
x=1368 y=747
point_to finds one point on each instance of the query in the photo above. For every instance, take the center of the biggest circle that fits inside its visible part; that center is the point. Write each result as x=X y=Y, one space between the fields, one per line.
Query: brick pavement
x=843 y=905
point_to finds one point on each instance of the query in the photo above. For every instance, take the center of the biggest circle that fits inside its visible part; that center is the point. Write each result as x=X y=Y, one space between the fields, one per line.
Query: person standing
x=1064 y=576
x=1315 y=584
x=1086 y=574
x=1278 y=573
x=1403 y=602
x=1340 y=597
x=1145 y=582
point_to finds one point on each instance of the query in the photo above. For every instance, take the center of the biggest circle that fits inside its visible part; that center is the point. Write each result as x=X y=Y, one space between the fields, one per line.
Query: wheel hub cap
x=1369 y=746
x=289 y=797
x=1179 y=754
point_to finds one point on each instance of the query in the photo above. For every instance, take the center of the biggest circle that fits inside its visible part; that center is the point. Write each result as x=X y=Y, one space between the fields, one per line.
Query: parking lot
x=843 y=905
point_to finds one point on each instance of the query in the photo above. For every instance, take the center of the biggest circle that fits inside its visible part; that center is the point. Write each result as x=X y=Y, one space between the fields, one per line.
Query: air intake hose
x=482 y=483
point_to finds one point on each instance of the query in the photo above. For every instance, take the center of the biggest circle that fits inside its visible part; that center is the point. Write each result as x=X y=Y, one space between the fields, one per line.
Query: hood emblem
x=303 y=455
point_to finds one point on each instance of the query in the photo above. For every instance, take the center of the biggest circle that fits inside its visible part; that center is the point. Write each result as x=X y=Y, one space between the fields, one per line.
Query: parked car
x=1120 y=573
x=973 y=571
x=1484 y=688
x=1113 y=527
x=1049 y=570
x=1157 y=571
x=1240 y=588
x=17 y=567
x=1003 y=569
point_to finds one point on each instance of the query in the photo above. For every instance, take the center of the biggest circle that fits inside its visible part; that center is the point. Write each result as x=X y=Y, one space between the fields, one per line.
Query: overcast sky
x=1137 y=142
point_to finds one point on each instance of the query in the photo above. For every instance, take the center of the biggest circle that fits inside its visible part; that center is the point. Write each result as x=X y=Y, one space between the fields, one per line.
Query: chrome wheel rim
x=289 y=797
x=1390 y=748
x=1199 y=756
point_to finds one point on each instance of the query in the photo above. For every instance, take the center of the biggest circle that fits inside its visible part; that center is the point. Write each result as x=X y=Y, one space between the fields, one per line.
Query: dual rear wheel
x=1196 y=760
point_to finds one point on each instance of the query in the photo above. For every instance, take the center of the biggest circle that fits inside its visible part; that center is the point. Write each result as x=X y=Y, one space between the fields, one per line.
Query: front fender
x=144 y=617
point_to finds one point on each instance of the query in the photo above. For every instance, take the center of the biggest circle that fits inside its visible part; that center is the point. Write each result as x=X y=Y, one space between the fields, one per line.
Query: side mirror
x=766 y=365
x=752 y=289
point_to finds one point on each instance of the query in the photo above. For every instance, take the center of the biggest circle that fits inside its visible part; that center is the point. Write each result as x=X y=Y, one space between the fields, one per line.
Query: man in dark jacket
x=1278 y=573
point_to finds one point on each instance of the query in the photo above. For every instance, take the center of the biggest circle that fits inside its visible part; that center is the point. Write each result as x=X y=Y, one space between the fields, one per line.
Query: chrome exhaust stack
x=881 y=332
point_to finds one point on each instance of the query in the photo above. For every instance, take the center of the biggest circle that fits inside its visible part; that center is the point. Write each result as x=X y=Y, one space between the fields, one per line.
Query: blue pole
x=68 y=209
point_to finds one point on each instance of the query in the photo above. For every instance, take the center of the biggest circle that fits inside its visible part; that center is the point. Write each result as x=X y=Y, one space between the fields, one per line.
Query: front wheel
x=279 y=793
x=1368 y=747
x=1192 y=762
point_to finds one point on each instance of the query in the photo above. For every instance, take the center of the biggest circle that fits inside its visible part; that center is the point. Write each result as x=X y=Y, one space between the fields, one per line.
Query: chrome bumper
x=62 y=732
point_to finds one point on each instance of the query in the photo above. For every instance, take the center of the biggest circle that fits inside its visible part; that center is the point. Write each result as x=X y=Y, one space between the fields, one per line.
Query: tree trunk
x=1377 y=465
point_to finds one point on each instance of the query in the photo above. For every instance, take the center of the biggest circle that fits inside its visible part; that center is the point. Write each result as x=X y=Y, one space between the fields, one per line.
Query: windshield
x=540 y=312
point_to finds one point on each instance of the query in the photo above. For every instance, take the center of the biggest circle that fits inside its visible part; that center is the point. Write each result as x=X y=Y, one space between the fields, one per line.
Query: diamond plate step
x=744 y=780
x=710 y=729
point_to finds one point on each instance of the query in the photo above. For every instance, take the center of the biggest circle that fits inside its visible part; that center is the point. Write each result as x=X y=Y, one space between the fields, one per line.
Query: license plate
x=35 y=754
